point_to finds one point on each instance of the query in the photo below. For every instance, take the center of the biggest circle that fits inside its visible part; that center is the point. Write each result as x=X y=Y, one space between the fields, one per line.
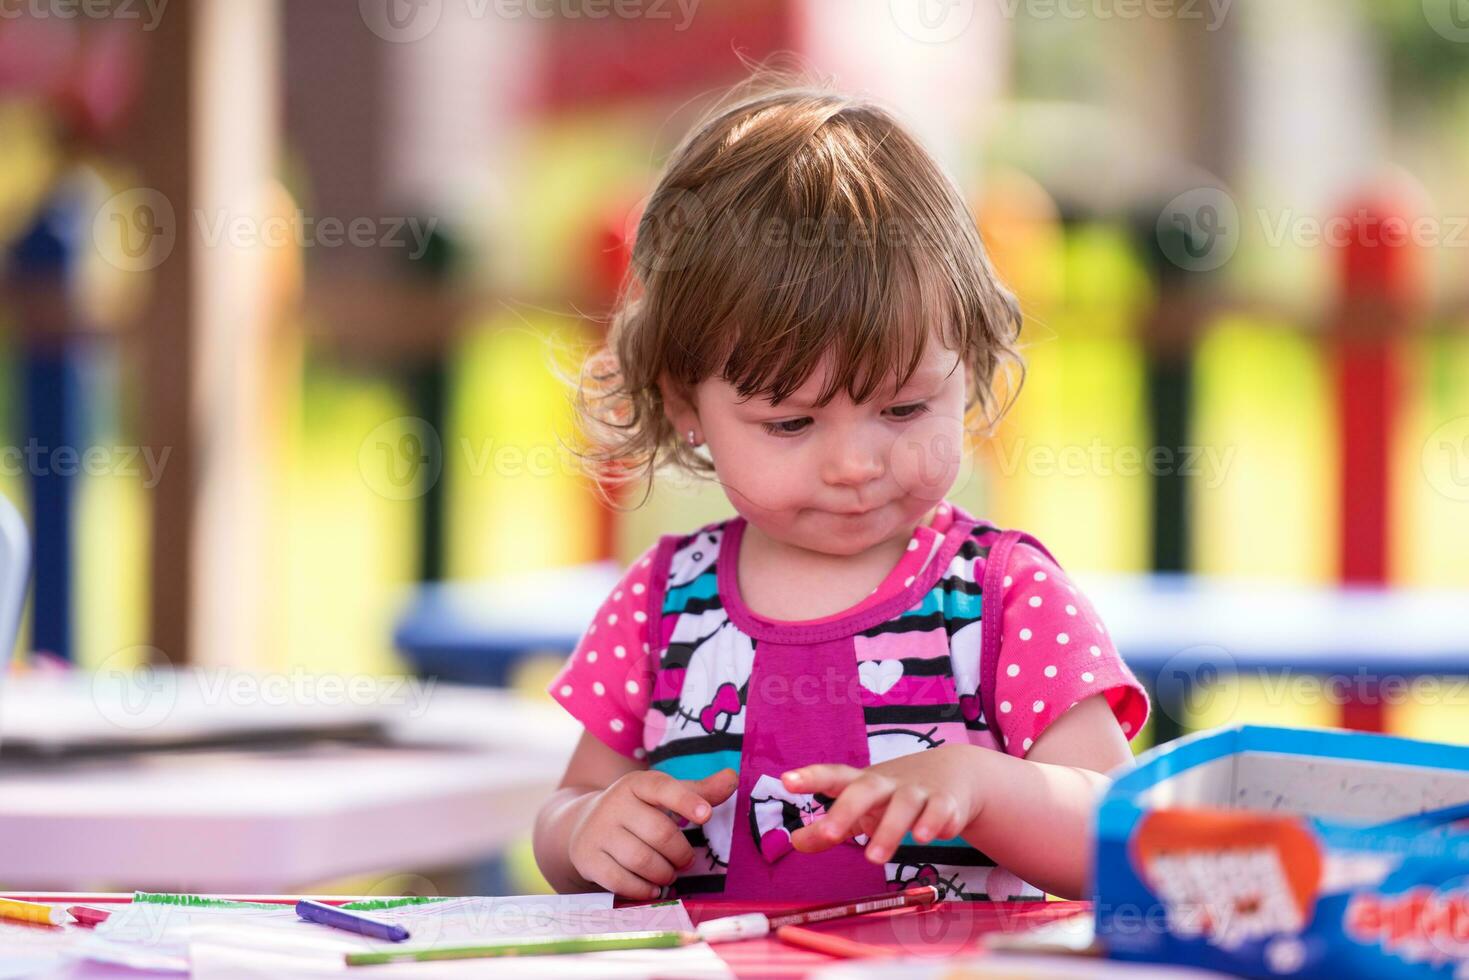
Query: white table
x=463 y=774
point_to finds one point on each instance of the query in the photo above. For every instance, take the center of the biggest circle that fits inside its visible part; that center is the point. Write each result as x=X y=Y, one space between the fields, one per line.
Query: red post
x=1380 y=294
x=611 y=255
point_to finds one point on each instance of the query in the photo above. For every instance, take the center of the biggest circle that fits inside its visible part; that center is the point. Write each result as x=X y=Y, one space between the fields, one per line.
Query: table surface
x=768 y=959
x=1153 y=618
x=465 y=770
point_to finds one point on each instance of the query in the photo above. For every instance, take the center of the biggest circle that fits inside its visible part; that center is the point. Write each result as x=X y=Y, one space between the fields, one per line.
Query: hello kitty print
x=672 y=674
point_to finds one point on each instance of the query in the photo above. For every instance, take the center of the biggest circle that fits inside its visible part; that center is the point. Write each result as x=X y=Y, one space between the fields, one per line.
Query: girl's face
x=842 y=478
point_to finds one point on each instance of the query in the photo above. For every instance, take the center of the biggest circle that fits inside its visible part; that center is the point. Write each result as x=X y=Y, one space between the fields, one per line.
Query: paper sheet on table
x=240 y=941
x=211 y=959
x=157 y=936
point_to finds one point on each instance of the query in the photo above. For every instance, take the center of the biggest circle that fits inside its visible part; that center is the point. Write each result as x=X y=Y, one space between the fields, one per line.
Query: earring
x=692 y=440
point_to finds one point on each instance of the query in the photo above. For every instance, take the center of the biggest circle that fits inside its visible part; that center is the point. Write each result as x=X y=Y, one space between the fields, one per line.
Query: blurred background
x=287 y=284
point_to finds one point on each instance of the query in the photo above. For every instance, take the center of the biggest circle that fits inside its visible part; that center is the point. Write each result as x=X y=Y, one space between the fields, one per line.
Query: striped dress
x=677 y=672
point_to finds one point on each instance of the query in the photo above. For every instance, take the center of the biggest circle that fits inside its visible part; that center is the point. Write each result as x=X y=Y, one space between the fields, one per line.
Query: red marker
x=757 y=924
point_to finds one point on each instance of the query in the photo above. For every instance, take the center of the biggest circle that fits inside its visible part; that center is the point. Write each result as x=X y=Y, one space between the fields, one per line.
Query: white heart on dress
x=879 y=676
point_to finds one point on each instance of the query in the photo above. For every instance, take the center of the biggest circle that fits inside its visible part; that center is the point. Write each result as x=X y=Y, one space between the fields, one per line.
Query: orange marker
x=823 y=942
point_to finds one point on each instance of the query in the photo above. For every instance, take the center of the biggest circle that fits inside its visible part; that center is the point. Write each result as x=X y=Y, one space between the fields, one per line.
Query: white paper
x=271 y=941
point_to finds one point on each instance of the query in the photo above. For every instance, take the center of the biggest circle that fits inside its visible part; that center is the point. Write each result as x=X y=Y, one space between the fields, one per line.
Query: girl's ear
x=678 y=405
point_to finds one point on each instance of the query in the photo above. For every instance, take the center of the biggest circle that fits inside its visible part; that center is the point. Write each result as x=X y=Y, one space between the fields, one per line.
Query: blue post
x=51 y=443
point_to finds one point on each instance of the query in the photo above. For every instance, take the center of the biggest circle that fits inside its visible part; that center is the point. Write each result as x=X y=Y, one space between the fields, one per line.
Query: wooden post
x=163 y=138
x=208 y=153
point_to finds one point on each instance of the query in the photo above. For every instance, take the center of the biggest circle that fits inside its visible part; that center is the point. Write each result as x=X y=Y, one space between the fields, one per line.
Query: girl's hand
x=935 y=793
x=627 y=842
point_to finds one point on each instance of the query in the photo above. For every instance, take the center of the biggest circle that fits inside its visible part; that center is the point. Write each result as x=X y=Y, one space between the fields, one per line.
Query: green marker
x=532 y=947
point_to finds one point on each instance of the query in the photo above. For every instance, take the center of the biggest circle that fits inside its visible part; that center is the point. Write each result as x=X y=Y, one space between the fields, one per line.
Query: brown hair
x=793 y=222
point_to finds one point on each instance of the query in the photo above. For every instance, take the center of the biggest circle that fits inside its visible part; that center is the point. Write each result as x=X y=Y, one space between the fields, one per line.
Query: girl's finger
x=662 y=790
x=640 y=858
x=820 y=778
x=937 y=819
x=657 y=829
x=612 y=876
x=842 y=817
x=903 y=808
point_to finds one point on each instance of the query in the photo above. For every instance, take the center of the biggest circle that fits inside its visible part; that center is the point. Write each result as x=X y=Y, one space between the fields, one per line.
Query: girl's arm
x=608 y=825
x=1061 y=780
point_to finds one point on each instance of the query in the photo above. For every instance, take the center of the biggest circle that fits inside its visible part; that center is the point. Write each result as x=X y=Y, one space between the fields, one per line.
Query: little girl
x=852 y=684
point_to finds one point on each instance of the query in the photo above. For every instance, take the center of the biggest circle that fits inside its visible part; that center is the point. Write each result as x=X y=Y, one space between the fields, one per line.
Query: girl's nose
x=852 y=461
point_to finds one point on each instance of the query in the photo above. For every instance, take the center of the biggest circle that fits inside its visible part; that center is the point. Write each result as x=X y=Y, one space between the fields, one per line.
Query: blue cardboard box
x=1280 y=852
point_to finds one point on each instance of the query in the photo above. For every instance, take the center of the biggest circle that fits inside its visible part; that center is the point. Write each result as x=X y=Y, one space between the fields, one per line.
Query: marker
x=88 y=916
x=47 y=915
x=821 y=942
x=330 y=915
x=532 y=947
x=756 y=924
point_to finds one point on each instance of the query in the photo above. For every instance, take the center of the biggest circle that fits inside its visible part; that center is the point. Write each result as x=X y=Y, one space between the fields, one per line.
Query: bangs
x=872 y=310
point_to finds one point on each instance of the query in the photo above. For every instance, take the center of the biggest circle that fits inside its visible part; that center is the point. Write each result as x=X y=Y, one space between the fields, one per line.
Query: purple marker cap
x=348 y=921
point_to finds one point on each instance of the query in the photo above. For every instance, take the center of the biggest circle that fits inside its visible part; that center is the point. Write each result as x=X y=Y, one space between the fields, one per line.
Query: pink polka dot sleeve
x=606 y=684
x=1054 y=652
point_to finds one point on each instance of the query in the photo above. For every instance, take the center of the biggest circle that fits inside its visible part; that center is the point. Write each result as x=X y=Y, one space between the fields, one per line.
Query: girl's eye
x=786 y=427
x=908 y=411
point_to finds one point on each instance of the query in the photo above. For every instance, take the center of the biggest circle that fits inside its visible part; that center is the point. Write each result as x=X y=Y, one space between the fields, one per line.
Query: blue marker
x=330 y=915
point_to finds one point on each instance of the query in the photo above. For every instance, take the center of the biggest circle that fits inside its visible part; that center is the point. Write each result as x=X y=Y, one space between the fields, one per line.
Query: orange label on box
x=1229 y=877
